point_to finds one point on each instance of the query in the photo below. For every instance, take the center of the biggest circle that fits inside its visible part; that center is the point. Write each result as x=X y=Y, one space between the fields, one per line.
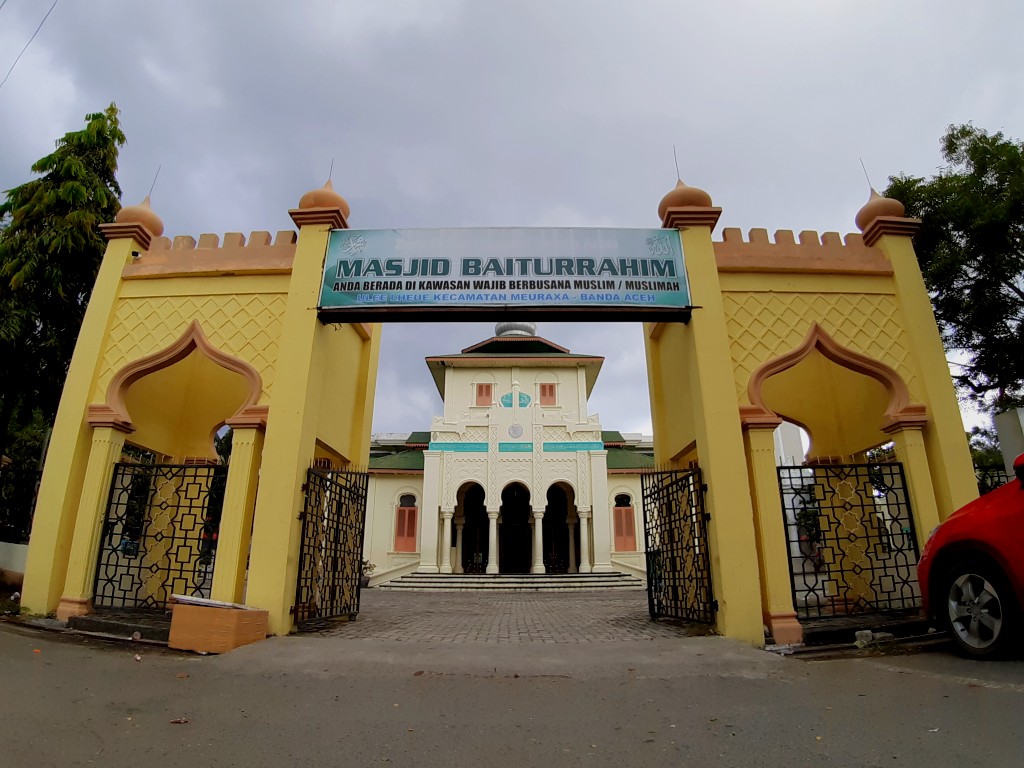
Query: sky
x=475 y=113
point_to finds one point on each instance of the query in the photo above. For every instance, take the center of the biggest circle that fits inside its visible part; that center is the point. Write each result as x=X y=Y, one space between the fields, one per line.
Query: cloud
x=458 y=113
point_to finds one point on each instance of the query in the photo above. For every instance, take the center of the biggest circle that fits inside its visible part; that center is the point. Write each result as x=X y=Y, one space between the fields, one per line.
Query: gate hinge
x=703 y=487
x=706 y=516
x=304 y=487
x=714 y=605
x=291 y=610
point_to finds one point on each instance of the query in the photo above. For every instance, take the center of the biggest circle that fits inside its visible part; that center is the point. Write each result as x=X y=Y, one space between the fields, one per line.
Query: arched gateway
x=182 y=338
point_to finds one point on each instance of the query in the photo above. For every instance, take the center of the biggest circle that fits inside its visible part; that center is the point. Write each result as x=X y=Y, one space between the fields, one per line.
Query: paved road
x=507 y=617
x=350 y=697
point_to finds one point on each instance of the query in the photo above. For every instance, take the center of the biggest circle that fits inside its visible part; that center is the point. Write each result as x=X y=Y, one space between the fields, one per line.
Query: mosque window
x=484 y=394
x=625 y=529
x=547 y=394
x=405 y=524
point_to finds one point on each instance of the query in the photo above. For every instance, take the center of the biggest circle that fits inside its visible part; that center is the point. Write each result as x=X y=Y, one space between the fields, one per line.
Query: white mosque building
x=515 y=477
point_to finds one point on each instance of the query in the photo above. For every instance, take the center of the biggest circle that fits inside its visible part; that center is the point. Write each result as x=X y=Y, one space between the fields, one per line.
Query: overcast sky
x=534 y=113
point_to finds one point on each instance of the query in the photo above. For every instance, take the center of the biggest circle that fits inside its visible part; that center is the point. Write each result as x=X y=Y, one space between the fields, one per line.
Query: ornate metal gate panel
x=851 y=540
x=331 y=557
x=676 y=535
x=160 y=534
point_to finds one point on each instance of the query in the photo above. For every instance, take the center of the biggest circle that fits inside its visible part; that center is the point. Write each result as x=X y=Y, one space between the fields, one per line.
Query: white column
x=446 y=541
x=431 y=505
x=460 y=522
x=601 y=514
x=492 y=541
x=572 y=546
x=584 y=540
x=538 y=541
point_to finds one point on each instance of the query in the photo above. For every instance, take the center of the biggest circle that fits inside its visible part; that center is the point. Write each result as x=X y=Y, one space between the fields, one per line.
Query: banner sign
x=509 y=268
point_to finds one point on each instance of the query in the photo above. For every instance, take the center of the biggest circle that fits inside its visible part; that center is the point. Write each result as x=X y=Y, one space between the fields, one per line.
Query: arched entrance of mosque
x=561 y=534
x=515 y=530
x=163 y=513
x=850 y=528
x=471 y=525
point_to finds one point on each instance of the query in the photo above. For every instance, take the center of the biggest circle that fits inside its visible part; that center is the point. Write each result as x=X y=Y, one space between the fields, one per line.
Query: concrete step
x=126 y=624
x=526 y=582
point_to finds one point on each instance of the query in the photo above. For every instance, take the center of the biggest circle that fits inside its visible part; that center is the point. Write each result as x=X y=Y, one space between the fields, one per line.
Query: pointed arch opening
x=174 y=401
x=844 y=400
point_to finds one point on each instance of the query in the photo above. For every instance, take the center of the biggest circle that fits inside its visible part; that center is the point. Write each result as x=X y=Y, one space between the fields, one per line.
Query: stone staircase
x=520 y=582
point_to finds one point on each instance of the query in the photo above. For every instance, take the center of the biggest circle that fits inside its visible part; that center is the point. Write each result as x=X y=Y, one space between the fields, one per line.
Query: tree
x=971 y=250
x=984 y=445
x=50 y=250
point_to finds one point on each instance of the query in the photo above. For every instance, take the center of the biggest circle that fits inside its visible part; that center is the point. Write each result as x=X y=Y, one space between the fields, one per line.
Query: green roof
x=409 y=461
x=619 y=458
x=418 y=438
x=612 y=437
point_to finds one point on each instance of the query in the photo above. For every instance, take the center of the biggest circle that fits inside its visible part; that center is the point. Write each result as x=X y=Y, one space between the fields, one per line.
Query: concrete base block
x=214 y=629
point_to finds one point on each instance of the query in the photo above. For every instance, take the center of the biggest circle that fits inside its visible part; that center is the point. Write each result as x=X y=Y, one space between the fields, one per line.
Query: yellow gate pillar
x=235 y=532
x=910 y=450
x=70 y=449
x=773 y=552
x=107 y=443
x=952 y=471
x=716 y=421
x=290 y=440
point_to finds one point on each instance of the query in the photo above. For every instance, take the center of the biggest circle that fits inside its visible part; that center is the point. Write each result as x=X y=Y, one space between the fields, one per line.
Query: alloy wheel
x=975 y=611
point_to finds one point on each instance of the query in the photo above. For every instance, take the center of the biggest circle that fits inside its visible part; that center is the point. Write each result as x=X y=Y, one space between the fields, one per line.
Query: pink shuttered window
x=405 y=524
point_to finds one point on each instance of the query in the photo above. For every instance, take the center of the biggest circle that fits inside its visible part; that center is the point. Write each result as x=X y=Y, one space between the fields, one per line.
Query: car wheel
x=978 y=610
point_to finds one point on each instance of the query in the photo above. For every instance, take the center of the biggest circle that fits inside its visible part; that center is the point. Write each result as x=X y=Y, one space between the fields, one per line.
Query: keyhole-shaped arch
x=846 y=400
x=164 y=396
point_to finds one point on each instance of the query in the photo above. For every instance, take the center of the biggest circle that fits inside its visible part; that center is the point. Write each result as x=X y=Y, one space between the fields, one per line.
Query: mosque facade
x=516 y=476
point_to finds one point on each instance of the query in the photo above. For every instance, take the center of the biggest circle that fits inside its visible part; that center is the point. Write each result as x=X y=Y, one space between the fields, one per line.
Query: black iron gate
x=331 y=554
x=850 y=534
x=676 y=536
x=160 y=534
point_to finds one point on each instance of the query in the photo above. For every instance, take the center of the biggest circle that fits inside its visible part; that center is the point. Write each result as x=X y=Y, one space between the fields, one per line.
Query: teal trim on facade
x=515 y=447
x=506 y=400
x=571 y=447
x=458 y=447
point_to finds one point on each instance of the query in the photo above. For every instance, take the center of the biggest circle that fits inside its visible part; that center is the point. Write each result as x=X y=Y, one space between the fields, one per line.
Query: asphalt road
x=329 y=700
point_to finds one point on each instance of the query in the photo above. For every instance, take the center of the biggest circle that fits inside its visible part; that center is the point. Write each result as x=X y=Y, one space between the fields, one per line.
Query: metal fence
x=330 y=558
x=991 y=477
x=851 y=540
x=160 y=534
x=676 y=535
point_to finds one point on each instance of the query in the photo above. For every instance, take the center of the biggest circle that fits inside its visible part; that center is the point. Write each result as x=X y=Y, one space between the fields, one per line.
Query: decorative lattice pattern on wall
x=247 y=326
x=763 y=326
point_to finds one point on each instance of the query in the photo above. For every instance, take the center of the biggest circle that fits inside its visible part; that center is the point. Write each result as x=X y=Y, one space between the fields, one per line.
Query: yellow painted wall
x=177 y=410
x=670 y=375
x=842 y=410
x=347 y=371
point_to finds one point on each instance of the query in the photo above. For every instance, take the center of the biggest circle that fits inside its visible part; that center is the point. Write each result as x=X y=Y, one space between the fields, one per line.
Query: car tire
x=976 y=607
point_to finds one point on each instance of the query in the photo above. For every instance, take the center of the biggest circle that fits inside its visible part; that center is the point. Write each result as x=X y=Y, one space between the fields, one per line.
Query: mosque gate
x=331 y=553
x=181 y=337
x=677 y=553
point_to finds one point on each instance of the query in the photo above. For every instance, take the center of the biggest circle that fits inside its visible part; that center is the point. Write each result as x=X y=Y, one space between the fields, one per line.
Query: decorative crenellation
x=183 y=256
x=806 y=252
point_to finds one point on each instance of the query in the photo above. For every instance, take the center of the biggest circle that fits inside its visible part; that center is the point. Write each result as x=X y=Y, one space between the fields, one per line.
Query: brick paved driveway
x=507 y=617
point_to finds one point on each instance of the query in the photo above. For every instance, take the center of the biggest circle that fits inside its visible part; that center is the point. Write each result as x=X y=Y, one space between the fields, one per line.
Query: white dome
x=515 y=329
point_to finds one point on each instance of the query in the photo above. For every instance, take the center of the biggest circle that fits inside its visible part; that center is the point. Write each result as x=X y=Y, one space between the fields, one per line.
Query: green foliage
x=971 y=250
x=50 y=250
x=984 y=445
x=222 y=443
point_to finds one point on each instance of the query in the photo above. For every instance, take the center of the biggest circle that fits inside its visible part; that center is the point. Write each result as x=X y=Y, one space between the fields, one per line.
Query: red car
x=972 y=572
